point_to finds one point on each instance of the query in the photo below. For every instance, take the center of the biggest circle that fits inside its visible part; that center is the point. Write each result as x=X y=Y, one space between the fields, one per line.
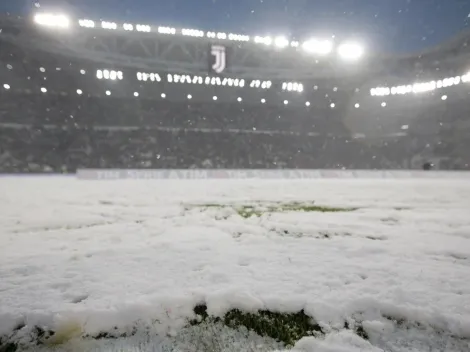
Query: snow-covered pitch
x=94 y=256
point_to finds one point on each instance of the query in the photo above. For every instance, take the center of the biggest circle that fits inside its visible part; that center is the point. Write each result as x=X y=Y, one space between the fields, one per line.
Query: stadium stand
x=69 y=103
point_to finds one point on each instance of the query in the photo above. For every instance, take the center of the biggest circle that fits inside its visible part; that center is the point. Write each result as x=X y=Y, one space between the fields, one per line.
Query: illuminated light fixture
x=166 y=30
x=106 y=74
x=113 y=75
x=357 y=106
x=82 y=72
x=163 y=95
x=350 y=51
x=242 y=83
x=42 y=69
x=384 y=104
x=263 y=40
x=51 y=20
x=281 y=42
x=221 y=36
x=143 y=28
x=79 y=92
x=108 y=92
x=192 y=33
x=307 y=103
x=239 y=99
x=295 y=44
x=86 y=23
x=108 y=25
x=44 y=90
x=444 y=97
x=263 y=101
x=6 y=86
x=190 y=96
x=214 y=97
x=128 y=27
x=286 y=102
x=318 y=47
x=136 y=94
x=332 y=105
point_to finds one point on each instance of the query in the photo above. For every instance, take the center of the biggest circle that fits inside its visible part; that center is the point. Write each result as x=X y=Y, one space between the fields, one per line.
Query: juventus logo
x=220 y=62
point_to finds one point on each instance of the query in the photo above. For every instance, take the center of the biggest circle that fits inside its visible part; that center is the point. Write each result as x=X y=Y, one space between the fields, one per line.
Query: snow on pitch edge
x=83 y=258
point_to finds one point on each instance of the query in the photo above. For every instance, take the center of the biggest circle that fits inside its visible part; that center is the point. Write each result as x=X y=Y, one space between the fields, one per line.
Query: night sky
x=400 y=26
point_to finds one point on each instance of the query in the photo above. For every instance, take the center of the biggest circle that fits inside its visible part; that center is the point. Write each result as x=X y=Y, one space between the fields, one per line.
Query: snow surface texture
x=93 y=256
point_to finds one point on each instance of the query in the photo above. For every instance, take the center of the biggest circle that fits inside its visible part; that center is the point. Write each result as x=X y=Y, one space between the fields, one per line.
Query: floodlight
x=281 y=42
x=350 y=51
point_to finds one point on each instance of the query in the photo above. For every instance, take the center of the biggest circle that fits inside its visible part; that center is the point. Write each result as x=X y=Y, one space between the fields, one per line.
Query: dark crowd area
x=56 y=133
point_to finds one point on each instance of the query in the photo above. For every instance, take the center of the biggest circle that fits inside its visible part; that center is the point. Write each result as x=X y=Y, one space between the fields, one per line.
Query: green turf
x=257 y=210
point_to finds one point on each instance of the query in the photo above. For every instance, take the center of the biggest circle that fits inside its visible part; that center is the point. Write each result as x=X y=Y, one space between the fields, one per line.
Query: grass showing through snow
x=258 y=210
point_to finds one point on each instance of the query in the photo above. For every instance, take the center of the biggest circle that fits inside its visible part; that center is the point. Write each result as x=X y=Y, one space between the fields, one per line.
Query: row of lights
x=420 y=87
x=346 y=50
x=239 y=99
x=293 y=87
x=109 y=74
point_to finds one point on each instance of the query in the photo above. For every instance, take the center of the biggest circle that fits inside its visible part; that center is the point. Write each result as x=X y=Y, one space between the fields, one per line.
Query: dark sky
x=400 y=26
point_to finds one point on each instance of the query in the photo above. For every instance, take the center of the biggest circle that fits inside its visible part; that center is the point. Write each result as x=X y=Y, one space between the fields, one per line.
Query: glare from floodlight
x=79 y=92
x=44 y=90
x=6 y=86
x=239 y=99
x=332 y=105
x=319 y=47
x=163 y=95
x=190 y=96
x=357 y=106
x=281 y=42
x=82 y=72
x=214 y=97
x=307 y=103
x=286 y=102
x=444 y=97
x=108 y=92
x=136 y=94
x=350 y=51
x=263 y=101
x=384 y=104
x=51 y=20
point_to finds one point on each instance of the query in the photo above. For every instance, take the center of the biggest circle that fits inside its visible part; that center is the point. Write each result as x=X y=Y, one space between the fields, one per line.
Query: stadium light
x=136 y=94
x=318 y=47
x=108 y=93
x=286 y=102
x=239 y=99
x=163 y=95
x=307 y=103
x=350 y=51
x=51 y=20
x=86 y=23
x=79 y=92
x=190 y=96
x=357 y=106
x=444 y=97
x=214 y=97
x=384 y=104
x=263 y=101
x=82 y=72
x=332 y=105
x=281 y=42
x=44 y=90
x=6 y=86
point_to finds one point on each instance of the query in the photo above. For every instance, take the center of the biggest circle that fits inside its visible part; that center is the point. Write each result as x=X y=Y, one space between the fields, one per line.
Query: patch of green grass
x=248 y=211
x=287 y=328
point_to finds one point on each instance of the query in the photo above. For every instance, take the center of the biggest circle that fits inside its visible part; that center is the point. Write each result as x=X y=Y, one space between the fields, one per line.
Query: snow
x=100 y=255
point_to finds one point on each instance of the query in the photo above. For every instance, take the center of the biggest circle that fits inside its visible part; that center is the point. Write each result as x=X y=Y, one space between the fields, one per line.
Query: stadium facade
x=86 y=94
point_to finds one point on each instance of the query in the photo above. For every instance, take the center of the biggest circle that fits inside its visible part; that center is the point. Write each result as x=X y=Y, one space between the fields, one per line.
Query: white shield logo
x=220 y=61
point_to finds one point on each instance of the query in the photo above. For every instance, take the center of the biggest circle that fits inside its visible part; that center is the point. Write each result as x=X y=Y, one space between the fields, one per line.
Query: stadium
x=178 y=190
x=113 y=95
